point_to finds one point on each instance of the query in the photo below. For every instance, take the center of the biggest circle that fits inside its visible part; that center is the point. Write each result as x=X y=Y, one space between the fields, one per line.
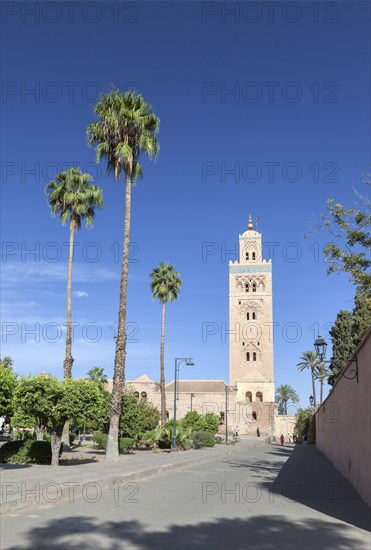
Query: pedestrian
x=289 y=438
x=305 y=440
x=257 y=432
x=282 y=439
x=237 y=431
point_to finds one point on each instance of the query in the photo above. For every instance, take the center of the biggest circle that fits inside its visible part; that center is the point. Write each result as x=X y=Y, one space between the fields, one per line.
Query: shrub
x=218 y=439
x=25 y=452
x=9 y=449
x=100 y=440
x=72 y=437
x=126 y=443
x=203 y=439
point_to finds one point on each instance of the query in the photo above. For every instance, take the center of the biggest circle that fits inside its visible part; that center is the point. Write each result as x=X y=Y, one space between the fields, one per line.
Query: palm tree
x=285 y=393
x=320 y=374
x=126 y=127
x=72 y=196
x=165 y=286
x=310 y=360
x=97 y=375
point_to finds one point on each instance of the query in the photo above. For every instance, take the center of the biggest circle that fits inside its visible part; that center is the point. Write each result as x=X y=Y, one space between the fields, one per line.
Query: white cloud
x=80 y=294
x=14 y=273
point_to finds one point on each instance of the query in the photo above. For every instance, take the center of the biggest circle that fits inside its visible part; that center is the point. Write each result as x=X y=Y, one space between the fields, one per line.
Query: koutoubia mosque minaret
x=251 y=334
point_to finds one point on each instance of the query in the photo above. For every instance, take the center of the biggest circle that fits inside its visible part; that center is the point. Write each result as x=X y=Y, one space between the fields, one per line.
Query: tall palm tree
x=310 y=360
x=72 y=196
x=285 y=393
x=126 y=127
x=97 y=375
x=320 y=374
x=165 y=286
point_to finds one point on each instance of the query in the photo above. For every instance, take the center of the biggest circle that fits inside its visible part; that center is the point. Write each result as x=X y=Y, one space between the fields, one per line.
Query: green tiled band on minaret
x=250 y=268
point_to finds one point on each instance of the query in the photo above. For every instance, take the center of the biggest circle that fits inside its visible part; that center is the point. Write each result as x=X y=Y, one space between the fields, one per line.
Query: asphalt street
x=271 y=497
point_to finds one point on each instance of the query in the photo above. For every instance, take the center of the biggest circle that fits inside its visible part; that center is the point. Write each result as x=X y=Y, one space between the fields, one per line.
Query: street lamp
x=311 y=400
x=321 y=346
x=192 y=396
x=189 y=362
x=227 y=388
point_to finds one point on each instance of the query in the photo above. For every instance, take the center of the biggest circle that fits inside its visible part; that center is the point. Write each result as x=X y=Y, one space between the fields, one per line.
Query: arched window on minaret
x=259 y=396
x=253 y=256
x=247 y=287
x=248 y=316
x=254 y=415
x=248 y=396
x=254 y=356
x=248 y=356
x=246 y=255
x=254 y=287
x=254 y=315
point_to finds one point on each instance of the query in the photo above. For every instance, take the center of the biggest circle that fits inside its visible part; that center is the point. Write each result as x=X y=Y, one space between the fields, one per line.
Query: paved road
x=268 y=498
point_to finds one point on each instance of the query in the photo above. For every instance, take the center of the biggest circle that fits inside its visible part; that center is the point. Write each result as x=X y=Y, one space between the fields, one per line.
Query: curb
x=80 y=489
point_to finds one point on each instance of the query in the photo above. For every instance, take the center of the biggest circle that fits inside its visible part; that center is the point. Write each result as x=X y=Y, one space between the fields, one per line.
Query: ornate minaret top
x=250 y=224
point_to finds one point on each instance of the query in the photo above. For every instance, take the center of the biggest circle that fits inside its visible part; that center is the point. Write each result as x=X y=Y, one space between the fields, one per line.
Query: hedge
x=26 y=452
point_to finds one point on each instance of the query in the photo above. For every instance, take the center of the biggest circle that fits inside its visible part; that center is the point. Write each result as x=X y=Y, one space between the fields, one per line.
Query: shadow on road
x=306 y=476
x=254 y=533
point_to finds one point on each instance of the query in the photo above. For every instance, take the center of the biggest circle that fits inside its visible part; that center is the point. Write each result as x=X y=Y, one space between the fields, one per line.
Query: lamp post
x=311 y=400
x=189 y=362
x=227 y=388
x=321 y=346
x=192 y=396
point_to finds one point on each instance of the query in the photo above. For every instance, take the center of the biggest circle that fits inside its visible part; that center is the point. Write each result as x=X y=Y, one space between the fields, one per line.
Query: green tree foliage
x=97 y=375
x=350 y=231
x=125 y=129
x=303 y=420
x=209 y=422
x=347 y=332
x=51 y=402
x=284 y=394
x=137 y=417
x=8 y=384
x=165 y=286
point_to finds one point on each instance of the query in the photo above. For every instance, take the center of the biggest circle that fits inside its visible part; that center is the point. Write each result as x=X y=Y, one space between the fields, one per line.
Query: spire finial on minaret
x=250 y=225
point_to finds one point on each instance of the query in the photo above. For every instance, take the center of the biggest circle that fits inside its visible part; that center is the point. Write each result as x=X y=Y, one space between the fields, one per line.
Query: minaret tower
x=251 y=333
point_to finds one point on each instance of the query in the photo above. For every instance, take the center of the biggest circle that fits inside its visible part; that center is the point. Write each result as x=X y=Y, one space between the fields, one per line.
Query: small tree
x=50 y=402
x=97 y=375
x=137 y=417
x=8 y=383
x=284 y=394
x=302 y=422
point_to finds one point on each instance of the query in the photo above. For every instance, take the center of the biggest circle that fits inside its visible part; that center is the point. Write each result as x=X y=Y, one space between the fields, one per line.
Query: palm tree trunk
x=162 y=366
x=68 y=361
x=314 y=389
x=112 y=450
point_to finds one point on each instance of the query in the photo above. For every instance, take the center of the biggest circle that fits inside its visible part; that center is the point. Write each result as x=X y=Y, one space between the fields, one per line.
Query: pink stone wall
x=343 y=424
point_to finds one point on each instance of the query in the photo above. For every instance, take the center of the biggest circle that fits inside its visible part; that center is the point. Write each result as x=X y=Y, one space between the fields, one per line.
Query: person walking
x=237 y=431
x=257 y=432
x=305 y=440
x=282 y=439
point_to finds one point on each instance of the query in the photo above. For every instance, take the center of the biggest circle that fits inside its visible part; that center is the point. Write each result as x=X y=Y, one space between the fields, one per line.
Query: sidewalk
x=23 y=486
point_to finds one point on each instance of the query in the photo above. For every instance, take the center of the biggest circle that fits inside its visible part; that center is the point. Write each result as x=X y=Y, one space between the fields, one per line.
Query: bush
x=203 y=439
x=100 y=440
x=26 y=452
x=72 y=437
x=218 y=439
x=126 y=443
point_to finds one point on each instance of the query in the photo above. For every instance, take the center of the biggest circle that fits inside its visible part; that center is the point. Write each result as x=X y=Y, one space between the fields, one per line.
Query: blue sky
x=263 y=112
